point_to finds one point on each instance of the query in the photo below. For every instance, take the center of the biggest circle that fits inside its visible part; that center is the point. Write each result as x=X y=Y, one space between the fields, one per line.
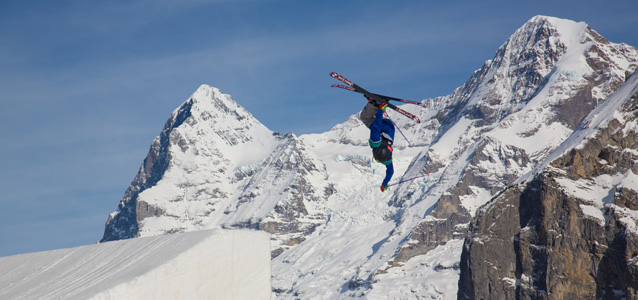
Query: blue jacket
x=382 y=126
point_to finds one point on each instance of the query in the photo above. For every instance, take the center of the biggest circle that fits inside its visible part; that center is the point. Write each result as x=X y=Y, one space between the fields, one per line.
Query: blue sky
x=85 y=86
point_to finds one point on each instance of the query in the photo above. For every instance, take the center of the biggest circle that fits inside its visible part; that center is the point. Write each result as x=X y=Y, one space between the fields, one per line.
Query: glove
x=383 y=106
x=384 y=188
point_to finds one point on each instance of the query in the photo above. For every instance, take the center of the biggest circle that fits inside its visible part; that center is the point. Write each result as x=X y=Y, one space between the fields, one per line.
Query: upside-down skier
x=381 y=129
x=381 y=136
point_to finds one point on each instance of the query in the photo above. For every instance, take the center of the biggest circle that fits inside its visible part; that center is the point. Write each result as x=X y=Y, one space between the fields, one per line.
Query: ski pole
x=403 y=181
x=397 y=127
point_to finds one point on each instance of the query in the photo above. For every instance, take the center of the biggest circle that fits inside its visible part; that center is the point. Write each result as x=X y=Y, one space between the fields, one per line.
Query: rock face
x=570 y=233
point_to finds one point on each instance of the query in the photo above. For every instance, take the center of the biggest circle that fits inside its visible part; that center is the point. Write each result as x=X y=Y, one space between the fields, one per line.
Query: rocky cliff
x=571 y=231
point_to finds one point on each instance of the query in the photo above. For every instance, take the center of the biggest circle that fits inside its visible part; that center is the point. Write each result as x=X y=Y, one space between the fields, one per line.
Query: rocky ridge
x=568 y=233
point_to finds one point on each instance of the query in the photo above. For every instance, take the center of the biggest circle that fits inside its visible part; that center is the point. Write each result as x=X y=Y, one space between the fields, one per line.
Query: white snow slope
x=207 y=264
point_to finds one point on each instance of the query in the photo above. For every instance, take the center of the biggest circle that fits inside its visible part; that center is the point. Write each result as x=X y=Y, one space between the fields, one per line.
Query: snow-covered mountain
x=207 y=149
x=335 y=235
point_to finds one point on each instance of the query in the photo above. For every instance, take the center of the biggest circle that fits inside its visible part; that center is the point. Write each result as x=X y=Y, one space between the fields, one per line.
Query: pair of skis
x=376 y=98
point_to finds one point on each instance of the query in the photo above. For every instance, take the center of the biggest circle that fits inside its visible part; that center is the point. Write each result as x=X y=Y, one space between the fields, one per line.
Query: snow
x=629 y=180
x=210 y=264
x=530 y=128
x=478 y=197
x=449 y=143
x=594 y=191
x=572 y=33
x=630 y=219
x=435 y=273
x=593 y=212
x=357 y=219
x=598 y=118
x=599 y=192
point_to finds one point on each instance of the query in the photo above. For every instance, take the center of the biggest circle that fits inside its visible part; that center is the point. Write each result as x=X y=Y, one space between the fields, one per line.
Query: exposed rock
x=545 y=240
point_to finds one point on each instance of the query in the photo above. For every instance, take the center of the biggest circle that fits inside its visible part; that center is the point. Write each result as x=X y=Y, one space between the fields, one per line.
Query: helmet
x=383 y=154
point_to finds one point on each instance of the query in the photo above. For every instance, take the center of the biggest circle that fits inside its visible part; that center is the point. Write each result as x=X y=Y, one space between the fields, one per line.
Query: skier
x=381 y=130
x=381 y=136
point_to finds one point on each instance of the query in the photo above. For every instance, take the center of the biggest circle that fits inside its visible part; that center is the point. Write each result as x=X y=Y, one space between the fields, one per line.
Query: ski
x=381 y=96
x=344 y=87
x=373 y=97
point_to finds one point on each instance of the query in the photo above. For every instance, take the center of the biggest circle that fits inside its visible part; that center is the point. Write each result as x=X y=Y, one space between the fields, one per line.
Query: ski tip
x=334 y=74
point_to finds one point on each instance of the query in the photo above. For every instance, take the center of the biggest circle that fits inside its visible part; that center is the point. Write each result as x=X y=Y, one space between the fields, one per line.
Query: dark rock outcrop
x=543 y=240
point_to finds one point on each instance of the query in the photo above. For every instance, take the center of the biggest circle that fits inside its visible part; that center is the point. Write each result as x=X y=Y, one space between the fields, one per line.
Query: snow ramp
x=208 y=264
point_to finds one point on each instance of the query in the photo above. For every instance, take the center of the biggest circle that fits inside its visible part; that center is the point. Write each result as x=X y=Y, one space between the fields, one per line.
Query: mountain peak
x=562 y=25
x=208 y=101
x=553 y=34
x=545 y=53
x=202 y=142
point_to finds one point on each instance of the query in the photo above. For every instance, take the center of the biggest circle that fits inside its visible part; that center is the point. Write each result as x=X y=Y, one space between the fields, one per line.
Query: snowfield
x=208 y=264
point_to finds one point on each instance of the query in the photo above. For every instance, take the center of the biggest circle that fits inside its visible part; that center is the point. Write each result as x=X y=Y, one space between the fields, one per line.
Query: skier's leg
x=368 y=114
